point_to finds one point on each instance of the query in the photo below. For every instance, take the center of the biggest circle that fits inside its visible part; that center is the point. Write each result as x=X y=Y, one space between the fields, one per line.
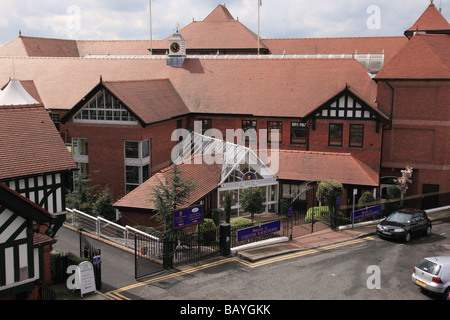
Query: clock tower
x=177 y=45
x=177 y=51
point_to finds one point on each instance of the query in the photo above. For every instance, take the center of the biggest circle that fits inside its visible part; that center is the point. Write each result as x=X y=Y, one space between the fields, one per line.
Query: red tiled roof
x=40 y=239
x=29 y=86
x=30 y=143
x=425 y=56
x=263 y=87
x=219 y=30
x=150 y=100
x=118 y=47
x=430 y=20
x=205 y=177
x=319 y=166
x=45 y=47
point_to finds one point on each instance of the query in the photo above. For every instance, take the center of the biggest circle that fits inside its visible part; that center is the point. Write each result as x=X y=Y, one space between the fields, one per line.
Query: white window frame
x=97 y=105
x=139 y=162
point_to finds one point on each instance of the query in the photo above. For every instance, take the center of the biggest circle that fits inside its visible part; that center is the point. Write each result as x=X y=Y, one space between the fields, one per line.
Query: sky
x=118 y=19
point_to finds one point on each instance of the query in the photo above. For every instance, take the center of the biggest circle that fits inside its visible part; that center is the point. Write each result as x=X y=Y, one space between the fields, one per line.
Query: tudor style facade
x=33 y=176
x=25 y=245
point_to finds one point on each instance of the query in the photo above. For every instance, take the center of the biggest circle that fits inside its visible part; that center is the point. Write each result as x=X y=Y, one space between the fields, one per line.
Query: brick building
x=414 y=89
x=325 y=96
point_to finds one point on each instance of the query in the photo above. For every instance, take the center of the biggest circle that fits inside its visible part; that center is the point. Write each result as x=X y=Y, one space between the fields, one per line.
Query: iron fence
x=46 y=293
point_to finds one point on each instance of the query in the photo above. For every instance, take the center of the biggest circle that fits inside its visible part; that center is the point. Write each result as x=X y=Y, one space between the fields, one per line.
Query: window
x=249 y=125
x=104 y=108
x=298 y=133
x=272 y=134
x=137 y=150
x=137 y=163
x=206 y=124
x=80 y=146
x=356 y=135
x=80 y=156
x=55 y=119
x=335 y=135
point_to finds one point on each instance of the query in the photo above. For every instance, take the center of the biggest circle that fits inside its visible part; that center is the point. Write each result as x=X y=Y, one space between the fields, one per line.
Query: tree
x=171 y=194
x=81 y=198
x=404 y=180
x=366 y=199
x=252 y=200
x=327 y=193
x=103 y=206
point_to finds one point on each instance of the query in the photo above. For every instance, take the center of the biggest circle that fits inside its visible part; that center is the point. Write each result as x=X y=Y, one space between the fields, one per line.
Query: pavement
x=266 y=250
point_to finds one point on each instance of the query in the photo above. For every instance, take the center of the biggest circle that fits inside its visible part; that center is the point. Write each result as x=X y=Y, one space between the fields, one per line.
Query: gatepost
x=225 y=232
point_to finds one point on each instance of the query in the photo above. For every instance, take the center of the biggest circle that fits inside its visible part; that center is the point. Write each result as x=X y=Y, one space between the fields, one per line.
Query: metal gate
x=192 y=247
x=173 y=249
x=87 y=250
x=148 y=255
x=297 y=224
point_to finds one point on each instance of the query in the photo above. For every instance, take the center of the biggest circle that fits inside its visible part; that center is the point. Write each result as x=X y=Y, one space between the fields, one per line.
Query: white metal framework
x=241 y=167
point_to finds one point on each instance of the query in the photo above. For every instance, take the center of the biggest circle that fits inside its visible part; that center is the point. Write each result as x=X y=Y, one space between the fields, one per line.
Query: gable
x=347 y=105
x=129 y=103
x=103 y=108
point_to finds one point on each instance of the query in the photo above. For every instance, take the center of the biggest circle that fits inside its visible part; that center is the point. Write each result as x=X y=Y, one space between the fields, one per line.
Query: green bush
x=240 y=222
x=366 y=199
x=207 y=232
x=318 y=213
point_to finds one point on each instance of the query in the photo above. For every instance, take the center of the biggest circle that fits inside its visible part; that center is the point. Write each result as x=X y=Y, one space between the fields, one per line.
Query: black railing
x=46 y=293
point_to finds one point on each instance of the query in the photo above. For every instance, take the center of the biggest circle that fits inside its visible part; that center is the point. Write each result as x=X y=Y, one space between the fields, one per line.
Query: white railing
x=111 y=231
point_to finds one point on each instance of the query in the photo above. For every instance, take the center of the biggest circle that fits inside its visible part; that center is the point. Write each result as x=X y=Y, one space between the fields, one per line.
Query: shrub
x=240 y=222
x=318 y=213
x=207 y=232
x=366 y=199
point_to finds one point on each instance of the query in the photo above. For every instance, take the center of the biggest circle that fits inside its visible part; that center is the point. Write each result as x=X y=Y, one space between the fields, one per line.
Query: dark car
x=403 y=224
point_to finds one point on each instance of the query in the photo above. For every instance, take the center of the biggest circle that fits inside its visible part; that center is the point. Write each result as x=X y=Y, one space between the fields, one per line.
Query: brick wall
x=419 y=135
x=106 y=150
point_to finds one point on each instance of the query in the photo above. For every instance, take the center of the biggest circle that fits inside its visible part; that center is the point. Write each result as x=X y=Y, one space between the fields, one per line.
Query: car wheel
x=408 y=237
x=447 y=294
x=428 y=231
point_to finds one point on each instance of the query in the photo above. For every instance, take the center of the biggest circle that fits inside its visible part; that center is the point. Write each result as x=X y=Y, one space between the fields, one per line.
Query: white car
x=433 y=274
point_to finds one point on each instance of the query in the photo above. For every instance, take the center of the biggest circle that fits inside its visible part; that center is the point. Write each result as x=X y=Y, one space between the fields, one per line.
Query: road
x=340 y=273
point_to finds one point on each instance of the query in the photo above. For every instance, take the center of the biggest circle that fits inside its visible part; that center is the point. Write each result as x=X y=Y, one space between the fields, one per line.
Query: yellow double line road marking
x=305 y=252
x=116 y=294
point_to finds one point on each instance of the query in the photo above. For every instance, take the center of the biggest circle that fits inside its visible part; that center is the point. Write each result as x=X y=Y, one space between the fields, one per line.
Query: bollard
x=225 y=232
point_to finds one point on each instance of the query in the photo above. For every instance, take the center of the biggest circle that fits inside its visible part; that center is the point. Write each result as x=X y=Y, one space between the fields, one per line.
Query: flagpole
x=259 y=15
x=151 y=31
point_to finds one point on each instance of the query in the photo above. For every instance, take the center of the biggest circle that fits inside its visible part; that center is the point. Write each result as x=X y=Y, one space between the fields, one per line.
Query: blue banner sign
x=187 y=217
x=257 y=231
x=367 y=212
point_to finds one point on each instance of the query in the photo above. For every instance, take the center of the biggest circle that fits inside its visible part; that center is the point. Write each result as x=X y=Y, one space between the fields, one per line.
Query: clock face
x=175 y=47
